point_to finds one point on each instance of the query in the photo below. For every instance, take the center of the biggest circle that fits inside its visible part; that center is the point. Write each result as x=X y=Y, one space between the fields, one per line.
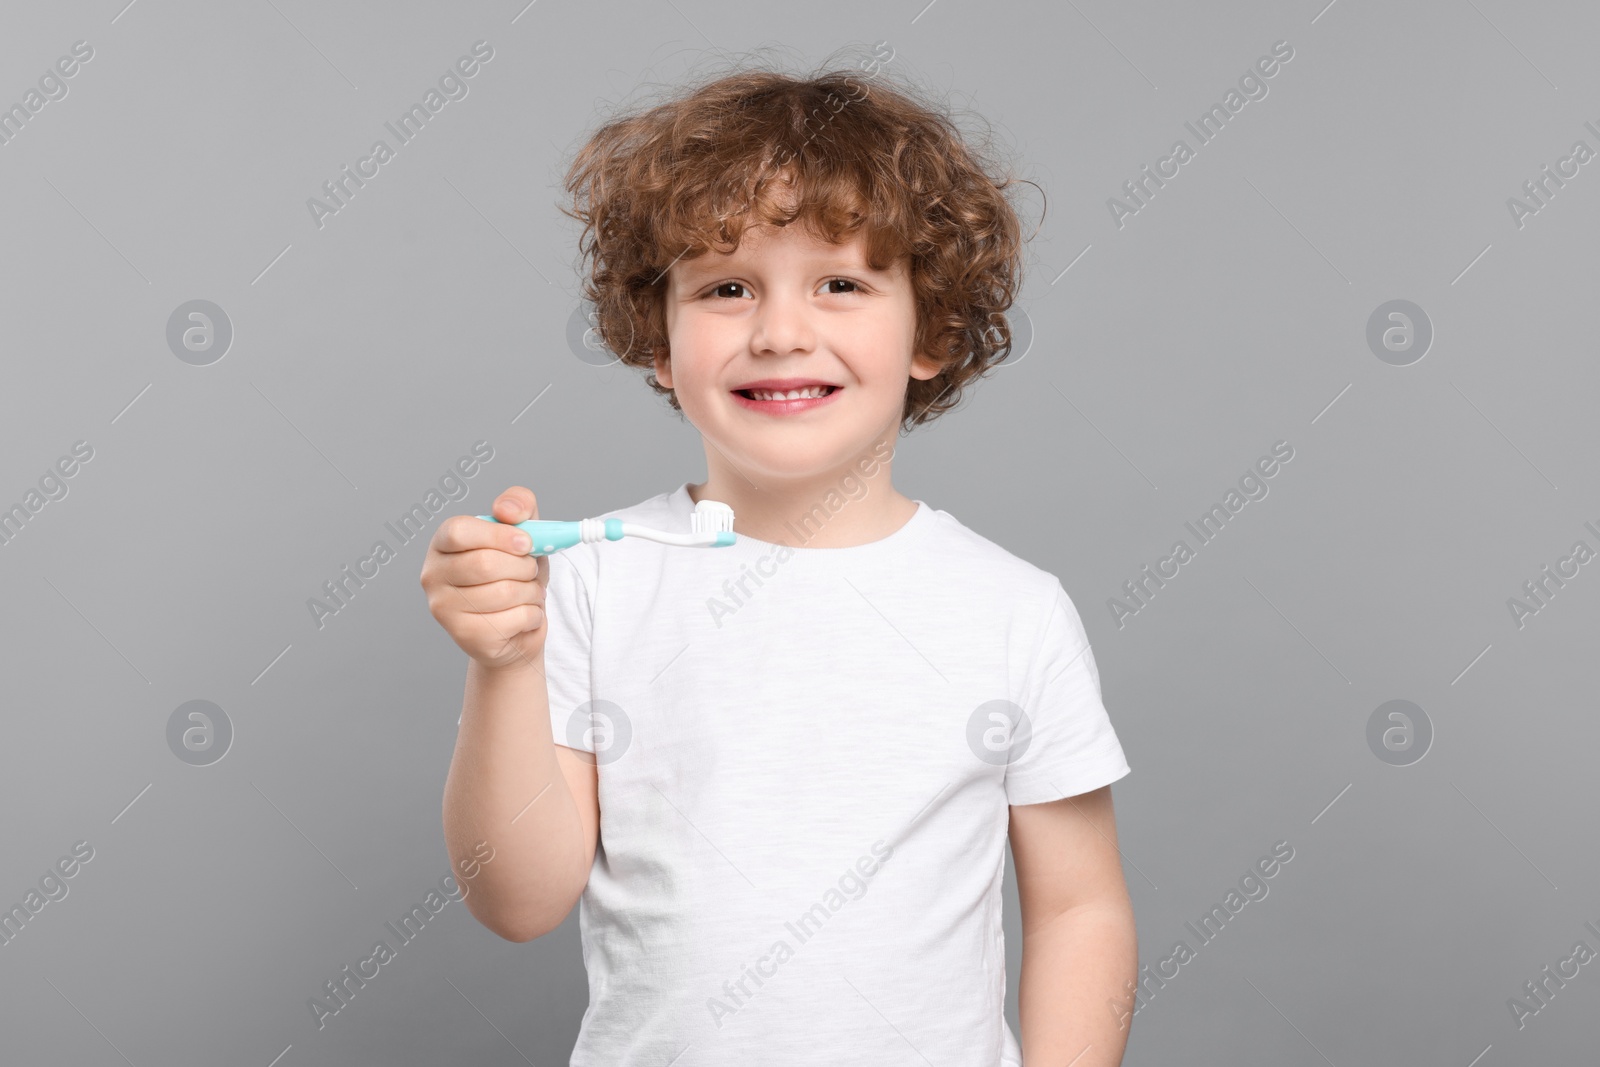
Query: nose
x=782 y=325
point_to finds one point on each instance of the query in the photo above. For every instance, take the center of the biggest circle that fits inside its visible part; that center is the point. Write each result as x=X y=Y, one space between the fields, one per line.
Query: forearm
x=1072 y=967
x=504 y=759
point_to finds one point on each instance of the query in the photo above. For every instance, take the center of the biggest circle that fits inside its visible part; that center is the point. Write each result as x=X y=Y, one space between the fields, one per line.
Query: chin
x=787 y=461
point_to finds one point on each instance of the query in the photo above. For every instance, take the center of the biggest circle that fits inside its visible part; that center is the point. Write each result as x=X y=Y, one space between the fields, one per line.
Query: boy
x=780 y=775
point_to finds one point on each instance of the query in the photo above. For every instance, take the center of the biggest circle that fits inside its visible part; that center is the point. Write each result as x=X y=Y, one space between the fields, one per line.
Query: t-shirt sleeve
x=1070 y=746
x=569 y=616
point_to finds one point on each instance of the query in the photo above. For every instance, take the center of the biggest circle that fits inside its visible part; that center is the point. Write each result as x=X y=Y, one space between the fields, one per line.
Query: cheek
x=885 y=357
x=689 y=360
x=691 y=334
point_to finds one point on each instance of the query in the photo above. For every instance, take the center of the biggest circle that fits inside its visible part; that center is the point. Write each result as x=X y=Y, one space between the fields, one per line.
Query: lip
x=785 y=407
x=784 y=384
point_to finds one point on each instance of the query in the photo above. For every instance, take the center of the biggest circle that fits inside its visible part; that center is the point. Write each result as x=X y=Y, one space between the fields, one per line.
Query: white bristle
x=711 y=516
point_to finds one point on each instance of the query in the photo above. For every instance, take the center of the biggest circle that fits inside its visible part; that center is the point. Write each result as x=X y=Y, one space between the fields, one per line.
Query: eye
x=716 y=291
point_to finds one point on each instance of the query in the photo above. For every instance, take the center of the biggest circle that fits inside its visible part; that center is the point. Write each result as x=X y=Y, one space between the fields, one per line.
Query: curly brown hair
x=837 y=150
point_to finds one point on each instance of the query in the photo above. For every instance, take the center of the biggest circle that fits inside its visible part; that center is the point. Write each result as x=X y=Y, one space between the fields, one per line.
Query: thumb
x=516 y=504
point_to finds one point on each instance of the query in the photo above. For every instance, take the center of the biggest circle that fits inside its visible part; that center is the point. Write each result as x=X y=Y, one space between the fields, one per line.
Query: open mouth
x=809 y=393
x=783 y=403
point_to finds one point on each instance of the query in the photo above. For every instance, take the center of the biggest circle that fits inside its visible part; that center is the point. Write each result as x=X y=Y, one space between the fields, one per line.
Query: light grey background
x=369 y=354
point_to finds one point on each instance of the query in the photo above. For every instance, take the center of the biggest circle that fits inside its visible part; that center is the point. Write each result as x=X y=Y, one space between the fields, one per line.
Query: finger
x=516 y=504
x=463 y=533
x=513 y=620
x=491 y=597
x=483 y=565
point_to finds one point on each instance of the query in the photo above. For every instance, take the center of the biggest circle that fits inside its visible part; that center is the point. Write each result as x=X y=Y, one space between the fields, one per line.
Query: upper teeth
x=792 y=394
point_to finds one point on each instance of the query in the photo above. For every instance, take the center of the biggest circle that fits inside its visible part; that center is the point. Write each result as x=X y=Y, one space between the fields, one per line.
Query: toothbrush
x=712 y=528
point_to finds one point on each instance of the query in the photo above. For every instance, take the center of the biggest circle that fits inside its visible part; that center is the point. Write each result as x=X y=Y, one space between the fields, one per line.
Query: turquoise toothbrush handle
x=548 y=535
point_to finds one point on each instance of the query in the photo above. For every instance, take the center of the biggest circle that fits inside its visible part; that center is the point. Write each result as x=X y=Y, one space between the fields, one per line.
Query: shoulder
x=1021 y=599
x=656 y=509
x=991 y=569
x=586 y=559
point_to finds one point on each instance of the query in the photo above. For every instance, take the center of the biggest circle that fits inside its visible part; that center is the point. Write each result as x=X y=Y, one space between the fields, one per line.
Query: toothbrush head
x=713 y=516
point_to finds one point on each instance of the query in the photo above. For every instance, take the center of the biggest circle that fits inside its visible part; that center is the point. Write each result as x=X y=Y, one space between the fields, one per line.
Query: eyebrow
x=700 y=265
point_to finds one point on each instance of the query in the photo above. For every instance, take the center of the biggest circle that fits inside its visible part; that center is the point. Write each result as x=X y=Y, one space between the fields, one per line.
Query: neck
x=852 y=505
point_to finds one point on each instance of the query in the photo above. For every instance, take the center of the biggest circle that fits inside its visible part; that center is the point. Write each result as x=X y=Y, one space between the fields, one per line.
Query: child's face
x=786 y=305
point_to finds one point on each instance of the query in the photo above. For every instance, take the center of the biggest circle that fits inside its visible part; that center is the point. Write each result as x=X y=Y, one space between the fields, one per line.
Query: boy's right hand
x=484 y=588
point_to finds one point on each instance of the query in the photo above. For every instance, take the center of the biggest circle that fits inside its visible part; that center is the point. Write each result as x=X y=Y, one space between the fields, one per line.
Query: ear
x=663 y=364
x=923 y=368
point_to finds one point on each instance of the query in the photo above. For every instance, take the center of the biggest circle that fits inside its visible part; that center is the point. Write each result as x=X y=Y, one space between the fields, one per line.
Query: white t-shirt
x=805 y=761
